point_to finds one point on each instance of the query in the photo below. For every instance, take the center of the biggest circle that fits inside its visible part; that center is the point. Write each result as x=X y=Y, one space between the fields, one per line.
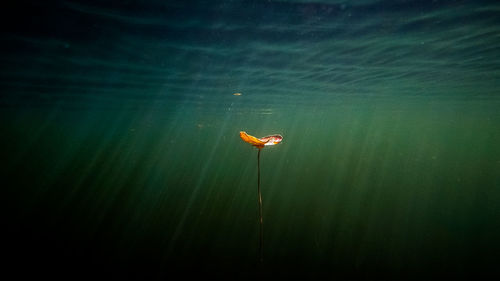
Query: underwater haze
x=121 y=155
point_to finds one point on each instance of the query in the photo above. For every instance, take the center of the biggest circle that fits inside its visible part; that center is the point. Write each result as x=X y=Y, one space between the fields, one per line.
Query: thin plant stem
x=260 y=209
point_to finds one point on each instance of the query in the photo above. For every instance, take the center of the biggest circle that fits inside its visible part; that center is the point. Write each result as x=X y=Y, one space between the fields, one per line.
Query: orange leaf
x=260 y=143
x=252 y=140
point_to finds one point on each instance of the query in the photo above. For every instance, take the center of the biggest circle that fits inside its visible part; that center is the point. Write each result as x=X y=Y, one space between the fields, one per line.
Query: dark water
x=121 y=155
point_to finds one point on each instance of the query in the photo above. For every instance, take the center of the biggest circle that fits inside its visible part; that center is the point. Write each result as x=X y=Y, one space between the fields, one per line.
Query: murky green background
x=122 y=156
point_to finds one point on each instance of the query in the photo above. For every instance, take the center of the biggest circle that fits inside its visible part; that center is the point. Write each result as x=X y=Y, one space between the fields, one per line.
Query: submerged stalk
x=260 y=208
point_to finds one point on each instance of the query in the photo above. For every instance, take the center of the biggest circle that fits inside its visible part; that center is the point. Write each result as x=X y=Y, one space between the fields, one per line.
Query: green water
x=356 y=188
x=121 y=154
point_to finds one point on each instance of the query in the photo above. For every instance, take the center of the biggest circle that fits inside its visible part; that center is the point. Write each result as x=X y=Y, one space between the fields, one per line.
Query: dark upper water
x=121 y=154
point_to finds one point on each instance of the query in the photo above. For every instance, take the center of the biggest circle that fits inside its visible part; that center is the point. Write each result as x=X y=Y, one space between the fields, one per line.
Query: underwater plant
x=260 y=143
